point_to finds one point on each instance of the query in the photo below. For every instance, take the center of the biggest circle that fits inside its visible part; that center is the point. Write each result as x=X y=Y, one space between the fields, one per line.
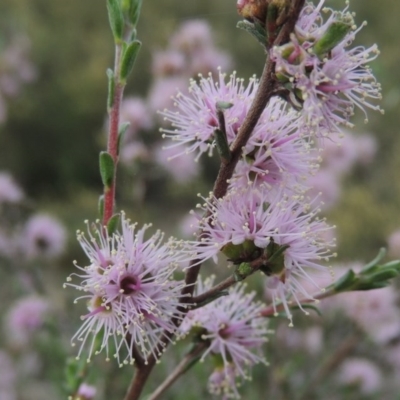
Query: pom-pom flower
x=279 y=232
x=195 y=120
x=43 y=237
x=129 y=289
x=276 y=152
x=25 y=318
x=234 y=331
x=276 y=155
x=325 y=78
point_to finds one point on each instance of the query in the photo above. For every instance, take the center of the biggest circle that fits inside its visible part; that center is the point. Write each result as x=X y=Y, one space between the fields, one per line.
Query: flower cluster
x=130 y=295
x=276 y=152
x=267 y=220
x=325 y=78
x=234 y=331
x=281 y=234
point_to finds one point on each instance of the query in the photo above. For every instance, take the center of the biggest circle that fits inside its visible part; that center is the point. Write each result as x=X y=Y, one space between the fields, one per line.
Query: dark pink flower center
x=129 y=284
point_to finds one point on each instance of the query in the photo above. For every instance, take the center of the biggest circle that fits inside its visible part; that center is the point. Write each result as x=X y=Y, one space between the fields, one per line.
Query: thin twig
x=228 y=282
x=179 y=370
x=254 y=265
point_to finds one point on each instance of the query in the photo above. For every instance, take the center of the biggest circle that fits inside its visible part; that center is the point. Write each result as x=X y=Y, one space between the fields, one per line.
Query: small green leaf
x=345 y=282
x=335 y=33
x=275 y=262
x=383 y=275
x=116 y=19
x=133 y=11
x=222 y=145
x=121 y=134
x=232 y=251
x=375 y=261
x=111 y=88
x=106 y=169
x=255 y=29
x=112 y=224
x=395 y=264
x=128 y=59
x=368 y=285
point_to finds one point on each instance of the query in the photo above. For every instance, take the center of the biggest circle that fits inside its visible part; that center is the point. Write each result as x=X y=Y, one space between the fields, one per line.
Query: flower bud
x=335 y=33
x=253 y=9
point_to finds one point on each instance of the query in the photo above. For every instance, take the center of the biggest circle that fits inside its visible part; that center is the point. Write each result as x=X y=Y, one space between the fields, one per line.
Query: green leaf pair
x=121 y=12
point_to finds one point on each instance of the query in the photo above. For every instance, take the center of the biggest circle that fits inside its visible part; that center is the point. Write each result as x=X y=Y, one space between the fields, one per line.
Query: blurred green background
x=55 y=127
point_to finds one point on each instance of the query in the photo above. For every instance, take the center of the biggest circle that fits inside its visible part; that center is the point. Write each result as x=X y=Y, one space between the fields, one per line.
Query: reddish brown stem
x=230 y=281
x=227 y=283
x=112 y=149
x=180 y=369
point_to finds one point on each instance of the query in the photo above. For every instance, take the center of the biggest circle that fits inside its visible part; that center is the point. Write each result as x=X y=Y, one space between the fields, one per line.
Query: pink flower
x=25 y=318
x=194 y=119
x=246 y=224
x=129 y=289
x=233 y=328
x=328 y=87
x=43 y=237
x=276 y=155
x=360 y=372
